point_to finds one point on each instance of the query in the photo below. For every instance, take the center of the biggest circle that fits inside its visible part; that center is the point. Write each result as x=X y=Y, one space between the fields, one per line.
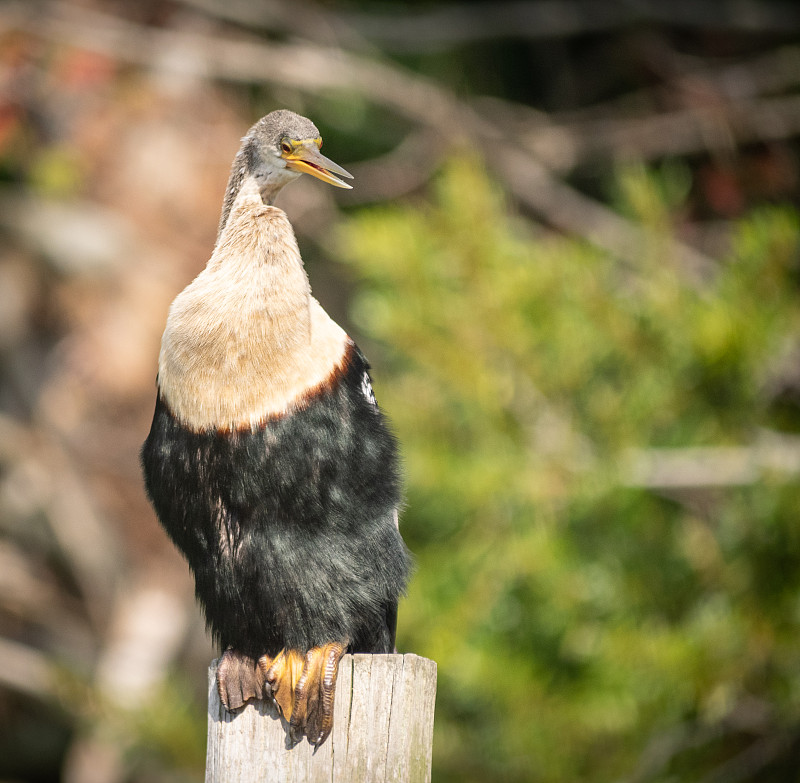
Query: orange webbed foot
x=304 y=687
x=241 y=678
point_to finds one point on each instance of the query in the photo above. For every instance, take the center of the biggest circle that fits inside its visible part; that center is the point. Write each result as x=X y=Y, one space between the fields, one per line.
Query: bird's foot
x=239 y=679
x=304 y=687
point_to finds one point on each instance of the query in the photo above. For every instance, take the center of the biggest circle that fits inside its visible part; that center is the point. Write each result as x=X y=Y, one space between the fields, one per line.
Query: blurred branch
x=74 y=521
x=445 y=27
x=302 y=66
x=273 y=15
x=666 y=746
x=148 y=625
x=749 y=715
x=568 y=209
x=44 y=481
x=301 y=18
x=77 y=237
x=747 y=764
x=26 y=670
x=723 y=107
x=315 y=69
x=712 y=128
x=714 y=466
x=31 y=595
x=399 y=172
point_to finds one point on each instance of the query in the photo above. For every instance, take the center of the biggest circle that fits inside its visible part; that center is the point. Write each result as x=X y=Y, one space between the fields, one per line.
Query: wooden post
x=382 y=730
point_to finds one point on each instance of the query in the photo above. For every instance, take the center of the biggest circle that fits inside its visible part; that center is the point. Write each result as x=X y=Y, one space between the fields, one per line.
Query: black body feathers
x=291 y=528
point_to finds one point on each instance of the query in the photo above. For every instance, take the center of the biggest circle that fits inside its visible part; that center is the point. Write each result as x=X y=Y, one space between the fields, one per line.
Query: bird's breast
x=233 y=379
x=246 y=341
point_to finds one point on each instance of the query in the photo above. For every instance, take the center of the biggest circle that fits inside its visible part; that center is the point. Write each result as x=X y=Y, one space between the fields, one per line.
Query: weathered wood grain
x=382 y=731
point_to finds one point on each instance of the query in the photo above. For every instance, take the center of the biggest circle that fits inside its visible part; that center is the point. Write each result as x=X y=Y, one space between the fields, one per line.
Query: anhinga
x=268 y=462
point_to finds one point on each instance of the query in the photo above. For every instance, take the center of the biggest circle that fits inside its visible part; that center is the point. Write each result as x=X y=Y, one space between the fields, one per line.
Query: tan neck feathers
x=245 y=340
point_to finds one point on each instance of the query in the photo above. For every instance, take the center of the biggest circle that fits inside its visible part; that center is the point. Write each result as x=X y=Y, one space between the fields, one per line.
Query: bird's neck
x=246 y=337
x=256 y=269
x=249 y=170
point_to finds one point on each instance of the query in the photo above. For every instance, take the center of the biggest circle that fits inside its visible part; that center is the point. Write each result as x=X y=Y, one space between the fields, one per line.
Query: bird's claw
x=240 y=678
x=304 y=687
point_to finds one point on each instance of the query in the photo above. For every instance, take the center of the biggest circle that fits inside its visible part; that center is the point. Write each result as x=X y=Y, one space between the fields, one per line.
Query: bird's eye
x=319 y=142
x=286 y=148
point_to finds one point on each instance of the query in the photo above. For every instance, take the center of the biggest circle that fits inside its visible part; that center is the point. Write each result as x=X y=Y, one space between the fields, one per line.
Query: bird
x=268 y=461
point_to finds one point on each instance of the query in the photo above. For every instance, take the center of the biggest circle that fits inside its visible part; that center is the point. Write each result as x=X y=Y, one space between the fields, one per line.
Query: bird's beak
x=307 y=159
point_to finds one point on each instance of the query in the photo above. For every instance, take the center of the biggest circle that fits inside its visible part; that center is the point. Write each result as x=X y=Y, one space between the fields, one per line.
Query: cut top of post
x=382 y=730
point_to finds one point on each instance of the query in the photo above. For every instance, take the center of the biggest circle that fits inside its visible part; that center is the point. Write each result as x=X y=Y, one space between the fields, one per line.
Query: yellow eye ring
x=286 y=148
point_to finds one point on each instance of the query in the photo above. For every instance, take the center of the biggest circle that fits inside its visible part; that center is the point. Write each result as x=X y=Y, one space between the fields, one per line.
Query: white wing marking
x=366 y=388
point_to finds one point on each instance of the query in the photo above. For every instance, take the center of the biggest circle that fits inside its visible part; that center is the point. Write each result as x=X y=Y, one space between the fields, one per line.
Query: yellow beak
x=307 y=159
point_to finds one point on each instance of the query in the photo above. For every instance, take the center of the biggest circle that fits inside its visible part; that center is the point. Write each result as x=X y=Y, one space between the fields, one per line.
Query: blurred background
x=572 y=254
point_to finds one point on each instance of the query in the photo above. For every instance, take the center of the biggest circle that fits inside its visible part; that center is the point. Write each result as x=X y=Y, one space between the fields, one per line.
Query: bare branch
x=315 y=70
x=26 y=670
x=571 y=211
x=714 y=466
x=445 y=27
x=747 y=764
x=727 y=107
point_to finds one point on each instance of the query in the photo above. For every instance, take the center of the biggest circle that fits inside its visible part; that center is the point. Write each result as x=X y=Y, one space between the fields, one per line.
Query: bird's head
x=283 y=145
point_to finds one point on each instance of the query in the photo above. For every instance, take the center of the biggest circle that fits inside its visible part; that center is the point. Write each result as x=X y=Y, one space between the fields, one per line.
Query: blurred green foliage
x=587 y=628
